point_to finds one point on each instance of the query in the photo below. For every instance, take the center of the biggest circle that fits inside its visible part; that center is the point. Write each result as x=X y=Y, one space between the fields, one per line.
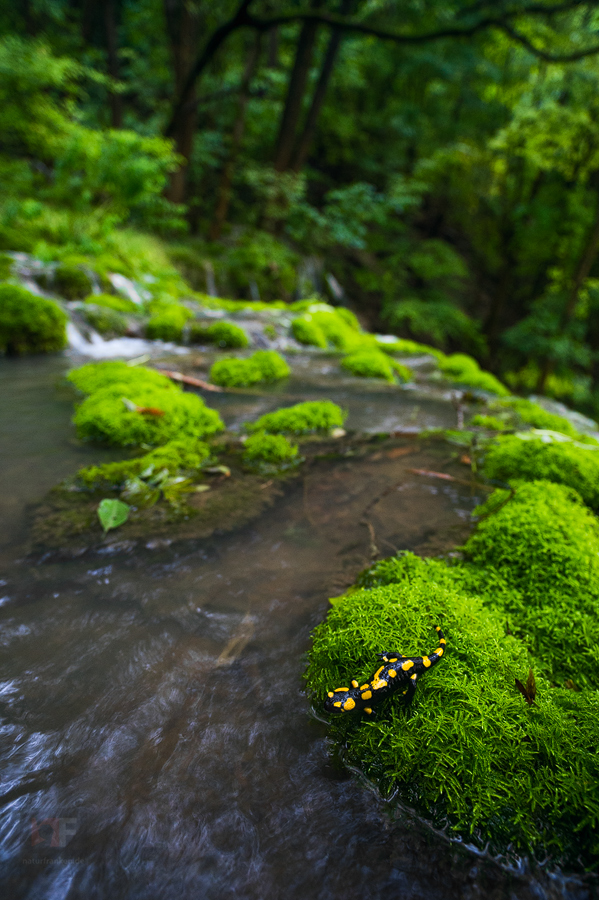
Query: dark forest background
x=434 y=164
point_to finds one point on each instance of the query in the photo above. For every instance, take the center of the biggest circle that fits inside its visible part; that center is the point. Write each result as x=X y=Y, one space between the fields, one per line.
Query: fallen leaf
x=399 y=451
x=112 y=513
x=149 y=411
x=464 y=458
x=433 y=474
x=219 y=470
x=529 y=690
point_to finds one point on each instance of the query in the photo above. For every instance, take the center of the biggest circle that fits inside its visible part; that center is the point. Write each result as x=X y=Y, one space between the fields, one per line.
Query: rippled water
x=152 y=707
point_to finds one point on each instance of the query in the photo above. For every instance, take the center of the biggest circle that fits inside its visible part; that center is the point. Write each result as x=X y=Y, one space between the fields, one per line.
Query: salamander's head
x=342 y=700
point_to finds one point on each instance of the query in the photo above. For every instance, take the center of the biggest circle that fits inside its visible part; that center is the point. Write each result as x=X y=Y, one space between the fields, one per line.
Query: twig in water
x=188 y=379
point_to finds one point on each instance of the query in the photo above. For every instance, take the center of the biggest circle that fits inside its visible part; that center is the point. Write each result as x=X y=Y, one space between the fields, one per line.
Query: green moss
x=305 y=331
x=176 y=457
x=94 y=376
x=562 y=462
x=167 y=323
x=6 y=264
x=71 y=282
x=29 y=324
x=371 y=363
x=224 y=334
x=464 y=370
x=105 y=321
x=408 y=348
x=313 y=415
x=493 y=423
x=109 y=301
x=469 y=749
x=529 y=413
x=269 y=448
x=265 y=366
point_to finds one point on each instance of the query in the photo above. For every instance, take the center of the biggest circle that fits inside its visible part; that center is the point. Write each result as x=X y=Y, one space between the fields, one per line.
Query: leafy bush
x=94 y=376
x=469 y=748
x=269 y=448
x=371 y=363
x=464 y=370
x=176 y=457
x=110 y=301
x=313 y=415
x=562 y=462
x=263 y=366
x=225 y=334
x=437 y=322
x=71 y=282
x=168 y=323
x=106 y=321
x=29 y=324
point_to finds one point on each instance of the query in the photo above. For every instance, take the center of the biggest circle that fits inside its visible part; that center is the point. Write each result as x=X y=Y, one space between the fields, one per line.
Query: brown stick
x=188 y=379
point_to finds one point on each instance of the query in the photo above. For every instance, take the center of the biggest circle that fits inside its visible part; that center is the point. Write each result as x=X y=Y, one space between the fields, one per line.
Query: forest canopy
x=432 y=165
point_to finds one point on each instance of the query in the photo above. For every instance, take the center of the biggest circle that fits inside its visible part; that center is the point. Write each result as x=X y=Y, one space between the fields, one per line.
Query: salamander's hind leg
x=411 y=688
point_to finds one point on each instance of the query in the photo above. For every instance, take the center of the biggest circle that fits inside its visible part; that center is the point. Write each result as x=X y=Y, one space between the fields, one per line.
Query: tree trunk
x=226 y=179
x=273 y=48
x=116 y=100
x=295 y=95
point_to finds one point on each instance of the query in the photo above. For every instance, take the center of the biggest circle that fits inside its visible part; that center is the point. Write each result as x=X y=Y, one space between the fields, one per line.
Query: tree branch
x=543 y=54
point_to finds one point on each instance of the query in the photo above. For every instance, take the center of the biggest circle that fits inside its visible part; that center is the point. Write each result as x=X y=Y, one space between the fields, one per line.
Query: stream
x=155 y=738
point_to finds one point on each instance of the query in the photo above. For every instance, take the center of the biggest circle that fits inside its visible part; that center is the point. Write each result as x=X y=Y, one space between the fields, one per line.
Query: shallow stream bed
x=152 y=707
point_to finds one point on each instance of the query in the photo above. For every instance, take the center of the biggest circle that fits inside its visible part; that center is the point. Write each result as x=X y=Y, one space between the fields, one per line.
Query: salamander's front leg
x=411 y=688
x=390 y=654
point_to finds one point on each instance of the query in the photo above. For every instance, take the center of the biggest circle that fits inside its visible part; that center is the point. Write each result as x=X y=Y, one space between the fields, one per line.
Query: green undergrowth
x=223 y=334
x=527 y=457
x=264 y=366
x=132 y=405
x=371 y=363
x=28 y=323
x=463 y=369
x=303 y=418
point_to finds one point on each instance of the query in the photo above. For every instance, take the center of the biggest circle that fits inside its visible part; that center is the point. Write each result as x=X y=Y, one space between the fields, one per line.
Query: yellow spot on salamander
x=391 y=673
x=426 y=662
x=439 y=651
x=385 y=659
x=366 y=695
x=394 y=659
x=442 y=641
x=349 y=703
x=377 y=673
x=380 y=683
x=338 y=703
x=414 y=676
x=368 y=710
x=364 y=687
x=437 y=628
x=407 y=665
x=341 y=689
x=330 y=694
x=354 y=684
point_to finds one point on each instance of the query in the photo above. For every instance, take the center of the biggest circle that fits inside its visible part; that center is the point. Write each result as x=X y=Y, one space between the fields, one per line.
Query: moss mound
x=269 y=448
x=526 y=412
x=223 y=334
x=167 y=324
x=371 y=363
x=29 y=324
x=323 y=326
x=175 y=457
x=105 y=321
x=266 y=366
x=562 y=462
x=464 y=370
x=109 y=301
x=307 y=332
x=469 y=749
x=72 y=282
x=303 y=418
x=94 y=376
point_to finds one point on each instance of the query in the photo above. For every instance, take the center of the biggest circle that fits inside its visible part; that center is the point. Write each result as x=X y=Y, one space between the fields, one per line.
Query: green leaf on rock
x=112 y=513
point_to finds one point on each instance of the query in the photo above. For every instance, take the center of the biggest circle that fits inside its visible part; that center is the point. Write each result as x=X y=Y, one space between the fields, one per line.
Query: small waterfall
x=95 y=347
x=125 y=286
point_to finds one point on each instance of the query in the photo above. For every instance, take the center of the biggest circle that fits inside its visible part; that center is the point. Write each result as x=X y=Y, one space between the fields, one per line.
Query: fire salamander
x=398 y=673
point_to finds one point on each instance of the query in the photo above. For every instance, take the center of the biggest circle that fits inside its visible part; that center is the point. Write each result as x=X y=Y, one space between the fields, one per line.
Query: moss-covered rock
x=462 y=369
x=371 y=363
x=106 y=322
x=167 y=323
x=110 y=301
x=264 y=366
x=525 y=412
x=72 y=282
x=223 y=334
x=94 y=376
x=307 y=332
x=269 y=448
x=529 y=458
x=303 y=418
x=469 y=749
x=323 y=326
x=175 y=457
x=28 y=323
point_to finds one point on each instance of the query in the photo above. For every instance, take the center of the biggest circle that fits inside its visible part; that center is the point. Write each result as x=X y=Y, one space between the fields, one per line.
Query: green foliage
x=494 y=423
x=110 y=301
x=94 y=376
x=224 y=334
x=440 y=323
x=264 y=366
x=469 y=748
x=514 y=457
x=408 y=348
x=323 y=325
x=464 y=370
x=371 y=363
x=71 y=282
x=106 y=321
x=29 y=324
x=112 y=513
x=303 y=418
x=273 y=449
x=168 y=322
x=177 y=457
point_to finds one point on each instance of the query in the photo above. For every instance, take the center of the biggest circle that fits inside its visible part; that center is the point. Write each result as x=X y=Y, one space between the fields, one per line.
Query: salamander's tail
x=436 y=655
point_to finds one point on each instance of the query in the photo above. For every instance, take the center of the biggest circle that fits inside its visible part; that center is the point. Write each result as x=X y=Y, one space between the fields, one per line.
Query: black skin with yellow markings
x=397 y=674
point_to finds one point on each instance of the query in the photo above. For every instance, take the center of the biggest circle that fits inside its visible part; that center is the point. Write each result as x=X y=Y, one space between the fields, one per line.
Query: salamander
x=397 y=673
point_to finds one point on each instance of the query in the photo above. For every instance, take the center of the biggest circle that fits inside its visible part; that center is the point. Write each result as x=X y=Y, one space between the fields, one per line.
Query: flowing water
x=156 y=741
